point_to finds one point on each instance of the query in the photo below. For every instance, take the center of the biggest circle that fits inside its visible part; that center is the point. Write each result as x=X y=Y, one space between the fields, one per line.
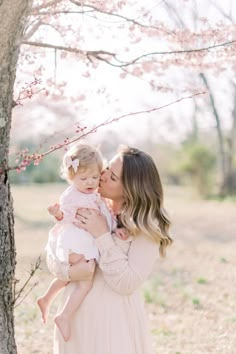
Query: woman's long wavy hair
x=143 y=207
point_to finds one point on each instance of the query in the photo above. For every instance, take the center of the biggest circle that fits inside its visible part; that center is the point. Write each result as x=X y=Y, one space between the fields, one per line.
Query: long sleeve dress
x=111 y=319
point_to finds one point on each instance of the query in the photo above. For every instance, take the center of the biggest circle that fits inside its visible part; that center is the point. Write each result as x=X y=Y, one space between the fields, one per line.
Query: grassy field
x=191 y=296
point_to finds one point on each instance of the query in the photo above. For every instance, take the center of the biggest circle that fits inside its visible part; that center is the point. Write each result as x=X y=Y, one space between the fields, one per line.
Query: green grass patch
x=201 y=281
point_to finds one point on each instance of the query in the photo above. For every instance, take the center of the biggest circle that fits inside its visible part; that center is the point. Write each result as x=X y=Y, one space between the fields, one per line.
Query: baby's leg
x=73 y=302
x=45 y=301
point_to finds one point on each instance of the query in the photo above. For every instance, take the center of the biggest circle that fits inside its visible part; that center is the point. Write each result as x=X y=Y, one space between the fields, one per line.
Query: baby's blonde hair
x=87 y=156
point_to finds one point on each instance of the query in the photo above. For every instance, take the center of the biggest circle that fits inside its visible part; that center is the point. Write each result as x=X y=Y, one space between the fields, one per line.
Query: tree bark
x=13 y=15
x=219 y=134
x=229 y=185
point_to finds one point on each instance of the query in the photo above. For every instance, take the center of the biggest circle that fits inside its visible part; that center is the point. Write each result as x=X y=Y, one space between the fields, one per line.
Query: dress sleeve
x=69 y=208
x=125 y=273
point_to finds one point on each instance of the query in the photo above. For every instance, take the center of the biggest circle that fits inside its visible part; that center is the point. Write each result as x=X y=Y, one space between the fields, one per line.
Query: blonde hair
x=87 y=156
x=143 y=193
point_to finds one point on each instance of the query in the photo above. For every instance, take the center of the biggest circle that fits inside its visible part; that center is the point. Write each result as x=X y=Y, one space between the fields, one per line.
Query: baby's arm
x=55 y=211
x=65 y=211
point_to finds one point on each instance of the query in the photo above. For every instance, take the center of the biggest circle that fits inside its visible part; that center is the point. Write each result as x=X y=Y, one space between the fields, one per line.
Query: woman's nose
x=103 y=176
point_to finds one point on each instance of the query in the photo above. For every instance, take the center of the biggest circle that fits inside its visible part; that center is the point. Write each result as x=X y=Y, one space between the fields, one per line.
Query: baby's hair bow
x=72 y=163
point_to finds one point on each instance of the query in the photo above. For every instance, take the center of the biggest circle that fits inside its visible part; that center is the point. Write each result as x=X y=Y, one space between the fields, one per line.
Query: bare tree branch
x=33 y=29
x=33 y=270
x=172 y=11
x=223 y=12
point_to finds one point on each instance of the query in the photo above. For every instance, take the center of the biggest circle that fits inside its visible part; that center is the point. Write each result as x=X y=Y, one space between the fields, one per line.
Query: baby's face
x=87 y=179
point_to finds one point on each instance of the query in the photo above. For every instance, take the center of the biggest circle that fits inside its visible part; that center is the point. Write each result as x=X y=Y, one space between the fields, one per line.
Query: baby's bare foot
x=43 y=305
x=62 y=323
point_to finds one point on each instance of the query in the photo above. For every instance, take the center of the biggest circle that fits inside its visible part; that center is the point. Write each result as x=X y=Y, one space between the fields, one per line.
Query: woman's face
x=110 y=183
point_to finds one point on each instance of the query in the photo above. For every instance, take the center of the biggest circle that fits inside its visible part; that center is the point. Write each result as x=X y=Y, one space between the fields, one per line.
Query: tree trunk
x=13 y=15
x=229 y=185
x=219 y=134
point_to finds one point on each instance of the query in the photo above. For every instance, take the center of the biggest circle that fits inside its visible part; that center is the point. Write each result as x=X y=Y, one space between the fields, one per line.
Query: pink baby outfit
x=66 y=236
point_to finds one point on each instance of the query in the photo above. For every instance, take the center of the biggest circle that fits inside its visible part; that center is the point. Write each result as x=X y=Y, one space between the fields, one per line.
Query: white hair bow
x=72 y=163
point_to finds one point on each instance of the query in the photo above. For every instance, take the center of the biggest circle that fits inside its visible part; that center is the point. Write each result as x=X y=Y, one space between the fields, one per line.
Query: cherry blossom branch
x=126 y=19
x=97 y=53
x=88 y=53
x=196 y=50
x=28 y=91
x=51 y=13
x=27 y=158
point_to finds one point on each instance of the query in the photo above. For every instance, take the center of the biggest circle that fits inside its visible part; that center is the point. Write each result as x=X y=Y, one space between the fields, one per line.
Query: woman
x=111 y=320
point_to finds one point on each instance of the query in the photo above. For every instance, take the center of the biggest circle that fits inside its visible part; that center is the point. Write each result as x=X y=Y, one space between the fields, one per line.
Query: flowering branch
x=196 y=50
x=87 y=53
x=29 y=91
x=98 y=54
x=126 y=19
x=25 y=159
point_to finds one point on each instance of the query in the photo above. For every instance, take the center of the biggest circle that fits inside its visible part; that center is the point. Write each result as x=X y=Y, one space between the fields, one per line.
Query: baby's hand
x=55 y=210
x=122 y=233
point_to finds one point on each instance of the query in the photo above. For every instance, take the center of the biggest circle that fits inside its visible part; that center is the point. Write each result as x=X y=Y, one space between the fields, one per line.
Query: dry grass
x=191 y=297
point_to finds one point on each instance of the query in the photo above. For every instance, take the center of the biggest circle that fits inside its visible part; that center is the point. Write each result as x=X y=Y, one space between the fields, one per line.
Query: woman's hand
x=82 y=270
x=92 y=221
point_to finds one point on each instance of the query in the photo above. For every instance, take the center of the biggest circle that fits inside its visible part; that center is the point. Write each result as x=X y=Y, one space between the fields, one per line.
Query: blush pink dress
x=69 y=238
x=111 y=319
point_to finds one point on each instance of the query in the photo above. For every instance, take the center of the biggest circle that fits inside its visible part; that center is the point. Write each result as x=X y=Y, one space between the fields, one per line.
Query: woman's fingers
x=82 y=270
x=80 y=225
x=92 y=264
x=92 y=221
x=85 y=213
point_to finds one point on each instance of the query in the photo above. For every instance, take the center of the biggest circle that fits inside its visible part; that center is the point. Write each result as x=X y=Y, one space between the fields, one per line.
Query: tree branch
x=218 y=123
x=223 y=12
x=33 y=270
x=134 y=21
x=51 y=13
x=28 y=159
x=44 y=6
x=87 y=53
x=33 y=29
x=97 y=53
x=196 y=50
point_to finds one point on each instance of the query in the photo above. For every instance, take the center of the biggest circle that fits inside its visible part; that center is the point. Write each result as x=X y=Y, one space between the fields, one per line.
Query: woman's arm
x=126 y=273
